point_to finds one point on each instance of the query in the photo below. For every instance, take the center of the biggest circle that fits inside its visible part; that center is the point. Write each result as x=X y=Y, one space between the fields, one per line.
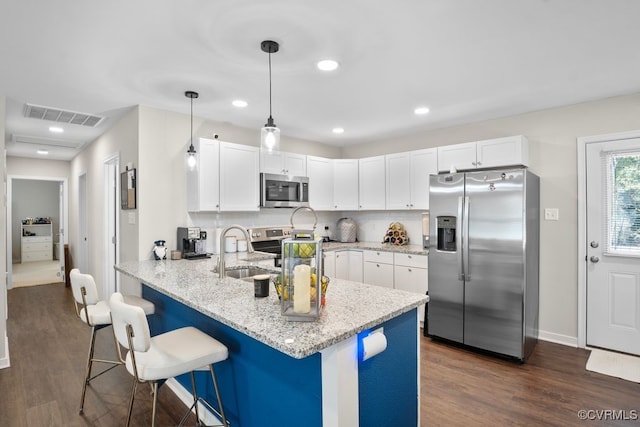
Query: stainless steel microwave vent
x=61 y=116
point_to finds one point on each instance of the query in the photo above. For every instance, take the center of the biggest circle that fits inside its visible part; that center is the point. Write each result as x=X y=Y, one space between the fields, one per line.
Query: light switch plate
x=551 y=214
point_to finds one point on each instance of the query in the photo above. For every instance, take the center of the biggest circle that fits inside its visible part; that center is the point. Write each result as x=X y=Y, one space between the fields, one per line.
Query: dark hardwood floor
x=48 y=346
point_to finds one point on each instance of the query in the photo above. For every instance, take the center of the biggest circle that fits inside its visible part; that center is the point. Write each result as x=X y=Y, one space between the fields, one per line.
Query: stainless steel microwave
x=283 y=191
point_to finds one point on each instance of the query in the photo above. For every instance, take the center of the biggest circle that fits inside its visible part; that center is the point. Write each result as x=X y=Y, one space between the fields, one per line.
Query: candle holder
x=301 y=296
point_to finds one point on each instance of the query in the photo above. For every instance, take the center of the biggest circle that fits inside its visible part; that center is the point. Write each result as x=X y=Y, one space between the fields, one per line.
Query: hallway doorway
x=36 y=224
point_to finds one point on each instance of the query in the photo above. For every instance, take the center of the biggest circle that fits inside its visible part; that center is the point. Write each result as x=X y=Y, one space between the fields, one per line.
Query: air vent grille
x=61 y=116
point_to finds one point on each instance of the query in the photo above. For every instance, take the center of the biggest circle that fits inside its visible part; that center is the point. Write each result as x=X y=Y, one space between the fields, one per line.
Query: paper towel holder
x=373 y=344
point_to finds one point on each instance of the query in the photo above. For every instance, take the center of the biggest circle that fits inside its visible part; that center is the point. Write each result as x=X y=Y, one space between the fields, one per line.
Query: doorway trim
x=65 y=220
x=582 y=223
x=112 y=224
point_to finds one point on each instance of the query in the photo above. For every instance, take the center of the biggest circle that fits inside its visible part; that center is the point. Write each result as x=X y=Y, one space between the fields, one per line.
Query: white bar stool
x=166 y=355
x=96 y=314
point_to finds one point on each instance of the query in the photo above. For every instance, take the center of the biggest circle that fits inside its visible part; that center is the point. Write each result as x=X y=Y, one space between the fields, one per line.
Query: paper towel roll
x=373 y=344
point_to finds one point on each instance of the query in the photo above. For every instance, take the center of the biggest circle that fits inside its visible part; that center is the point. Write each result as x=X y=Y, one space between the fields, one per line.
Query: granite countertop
x=351 y=307
x=374 y=246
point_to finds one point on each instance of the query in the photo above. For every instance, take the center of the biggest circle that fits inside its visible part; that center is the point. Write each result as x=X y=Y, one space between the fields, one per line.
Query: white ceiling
x=467 y=60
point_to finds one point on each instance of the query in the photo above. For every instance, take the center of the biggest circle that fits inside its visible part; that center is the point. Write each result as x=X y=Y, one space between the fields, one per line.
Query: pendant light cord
x=192 y=123
x=270 y=84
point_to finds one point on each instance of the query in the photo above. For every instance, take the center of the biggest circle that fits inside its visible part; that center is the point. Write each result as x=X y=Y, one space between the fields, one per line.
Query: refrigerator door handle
x=459 y=238
x=465 y=241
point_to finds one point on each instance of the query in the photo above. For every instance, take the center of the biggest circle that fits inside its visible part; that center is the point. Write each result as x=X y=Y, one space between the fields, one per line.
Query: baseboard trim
x=4 y=361
x=558 y=338
x=206 y=416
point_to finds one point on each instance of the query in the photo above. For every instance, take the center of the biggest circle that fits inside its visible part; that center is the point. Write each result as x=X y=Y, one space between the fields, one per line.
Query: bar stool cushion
x=99 y=313
x=147 y=306
x=176 y=352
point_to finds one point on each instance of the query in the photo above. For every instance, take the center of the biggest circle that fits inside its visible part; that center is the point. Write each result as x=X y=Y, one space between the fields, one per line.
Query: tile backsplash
x=371 y=225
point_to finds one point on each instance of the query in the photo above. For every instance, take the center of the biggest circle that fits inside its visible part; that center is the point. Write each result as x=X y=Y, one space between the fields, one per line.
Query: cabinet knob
x=409 y=270
x=409 y=256
x=377 y=265
x=479 y=163
x=473 y=163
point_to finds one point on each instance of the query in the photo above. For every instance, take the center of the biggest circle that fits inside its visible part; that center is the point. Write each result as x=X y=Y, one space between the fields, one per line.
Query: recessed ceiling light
x=421 y=110
x=239 y=103
x=327 y=65
x=42 y=152
x=56 y=129
x=337 y=130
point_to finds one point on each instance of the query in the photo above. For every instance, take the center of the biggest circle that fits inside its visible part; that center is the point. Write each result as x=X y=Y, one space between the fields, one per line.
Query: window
x=622 y=203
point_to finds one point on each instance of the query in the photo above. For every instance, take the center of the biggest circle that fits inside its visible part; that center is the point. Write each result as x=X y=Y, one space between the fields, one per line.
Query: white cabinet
x=410 y=274
x=203 y=183
x=36 y=243
x=508 y=151
x=512 y=150
x=320 y=173
x=239 y=183
x=345 y=184
x=371 y=179
x=225 y=177
x=378 y=268
x=329 y=264
x=348 y=265
x=407 y=177
x=283 y=163
x=457 y=157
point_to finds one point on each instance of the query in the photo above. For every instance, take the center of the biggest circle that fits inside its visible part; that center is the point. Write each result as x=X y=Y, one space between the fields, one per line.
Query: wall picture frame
x=128 y=189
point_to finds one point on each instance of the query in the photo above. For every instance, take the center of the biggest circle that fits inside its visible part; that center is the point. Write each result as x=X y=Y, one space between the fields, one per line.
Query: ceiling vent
x=61 y=116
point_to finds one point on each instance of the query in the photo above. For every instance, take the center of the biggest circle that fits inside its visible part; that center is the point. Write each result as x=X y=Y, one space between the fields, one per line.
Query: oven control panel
x=269 y=233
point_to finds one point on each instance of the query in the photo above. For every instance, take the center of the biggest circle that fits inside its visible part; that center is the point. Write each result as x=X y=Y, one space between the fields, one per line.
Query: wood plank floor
x=48 y=346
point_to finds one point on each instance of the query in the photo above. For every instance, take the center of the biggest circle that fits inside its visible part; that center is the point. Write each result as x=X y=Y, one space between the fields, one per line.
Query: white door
x=61 y=231
x=111 y=175
x=613 y=245
x=83 y=251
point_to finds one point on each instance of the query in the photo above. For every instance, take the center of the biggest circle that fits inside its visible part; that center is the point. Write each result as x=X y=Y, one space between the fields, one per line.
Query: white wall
x=23 y=166
x=552 y=137
x=121 y=139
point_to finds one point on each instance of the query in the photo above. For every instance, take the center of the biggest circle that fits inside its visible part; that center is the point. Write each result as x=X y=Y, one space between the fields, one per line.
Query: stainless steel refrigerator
x=483 y=259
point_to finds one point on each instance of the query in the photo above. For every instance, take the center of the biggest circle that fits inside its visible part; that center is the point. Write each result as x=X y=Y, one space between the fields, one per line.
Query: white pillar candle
x=302 y=288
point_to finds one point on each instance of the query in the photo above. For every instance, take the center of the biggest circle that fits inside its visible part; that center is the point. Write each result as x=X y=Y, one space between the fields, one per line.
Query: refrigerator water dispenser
x=446 y=233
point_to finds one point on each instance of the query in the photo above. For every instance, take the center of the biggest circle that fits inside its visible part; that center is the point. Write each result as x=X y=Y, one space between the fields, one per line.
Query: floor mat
x=614 y=364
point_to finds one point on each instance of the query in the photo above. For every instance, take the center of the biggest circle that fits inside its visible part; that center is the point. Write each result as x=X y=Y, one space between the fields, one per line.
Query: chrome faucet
x=221 y=266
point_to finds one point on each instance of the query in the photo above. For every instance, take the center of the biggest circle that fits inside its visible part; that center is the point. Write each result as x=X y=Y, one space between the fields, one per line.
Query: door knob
x=594 y=244
x=594 y=259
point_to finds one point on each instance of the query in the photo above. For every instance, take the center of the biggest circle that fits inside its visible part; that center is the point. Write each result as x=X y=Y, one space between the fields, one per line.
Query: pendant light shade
x=270 y=134
x=191 y=152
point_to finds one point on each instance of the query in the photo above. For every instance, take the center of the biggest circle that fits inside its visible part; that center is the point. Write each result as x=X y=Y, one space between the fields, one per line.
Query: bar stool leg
x=194 y=392
x=154 y=390
x=88 y=370
x=215 y=386
x=133 y=395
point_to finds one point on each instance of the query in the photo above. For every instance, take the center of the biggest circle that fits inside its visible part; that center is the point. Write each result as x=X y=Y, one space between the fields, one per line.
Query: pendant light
x=191 y=152
x=270 y=134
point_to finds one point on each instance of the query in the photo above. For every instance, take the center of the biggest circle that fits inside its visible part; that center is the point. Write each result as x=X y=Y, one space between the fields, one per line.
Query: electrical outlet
x=132 y=217
x=551 y=214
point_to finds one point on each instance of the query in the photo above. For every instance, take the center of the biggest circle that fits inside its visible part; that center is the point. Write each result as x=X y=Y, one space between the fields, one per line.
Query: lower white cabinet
x=378 y=268
x=329 y=264
x=410 y=274
x=348 y=265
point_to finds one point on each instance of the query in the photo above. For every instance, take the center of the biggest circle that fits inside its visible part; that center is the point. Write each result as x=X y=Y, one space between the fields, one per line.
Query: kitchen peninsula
x=288 y=373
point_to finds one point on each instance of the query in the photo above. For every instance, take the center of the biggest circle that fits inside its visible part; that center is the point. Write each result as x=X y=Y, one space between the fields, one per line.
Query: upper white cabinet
x=508 y=151
x=203 y=183
x=345 y=184
x=225 y=177
x=407 y=177
x=371 y=178
x=239 y=183
x=283 y=163
x=320 y=173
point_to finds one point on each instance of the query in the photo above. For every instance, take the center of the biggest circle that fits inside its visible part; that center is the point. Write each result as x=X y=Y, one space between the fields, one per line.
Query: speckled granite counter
x=350 y=307
x=374 y=246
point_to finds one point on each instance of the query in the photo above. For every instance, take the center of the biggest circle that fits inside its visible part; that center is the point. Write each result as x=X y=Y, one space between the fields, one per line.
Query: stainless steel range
x=269 y=239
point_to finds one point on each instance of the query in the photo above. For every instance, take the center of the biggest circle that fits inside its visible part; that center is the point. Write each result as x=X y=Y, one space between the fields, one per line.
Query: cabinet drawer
x=37 y=247
x=378 y=256
x=410 y=260
x=36 y=239
x=37 y=256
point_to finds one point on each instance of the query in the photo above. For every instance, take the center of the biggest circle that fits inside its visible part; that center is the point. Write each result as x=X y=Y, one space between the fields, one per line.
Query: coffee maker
x=192 y=242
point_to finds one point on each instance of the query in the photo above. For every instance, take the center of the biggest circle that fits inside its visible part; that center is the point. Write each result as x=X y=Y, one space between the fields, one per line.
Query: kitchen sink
x=245 y=272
